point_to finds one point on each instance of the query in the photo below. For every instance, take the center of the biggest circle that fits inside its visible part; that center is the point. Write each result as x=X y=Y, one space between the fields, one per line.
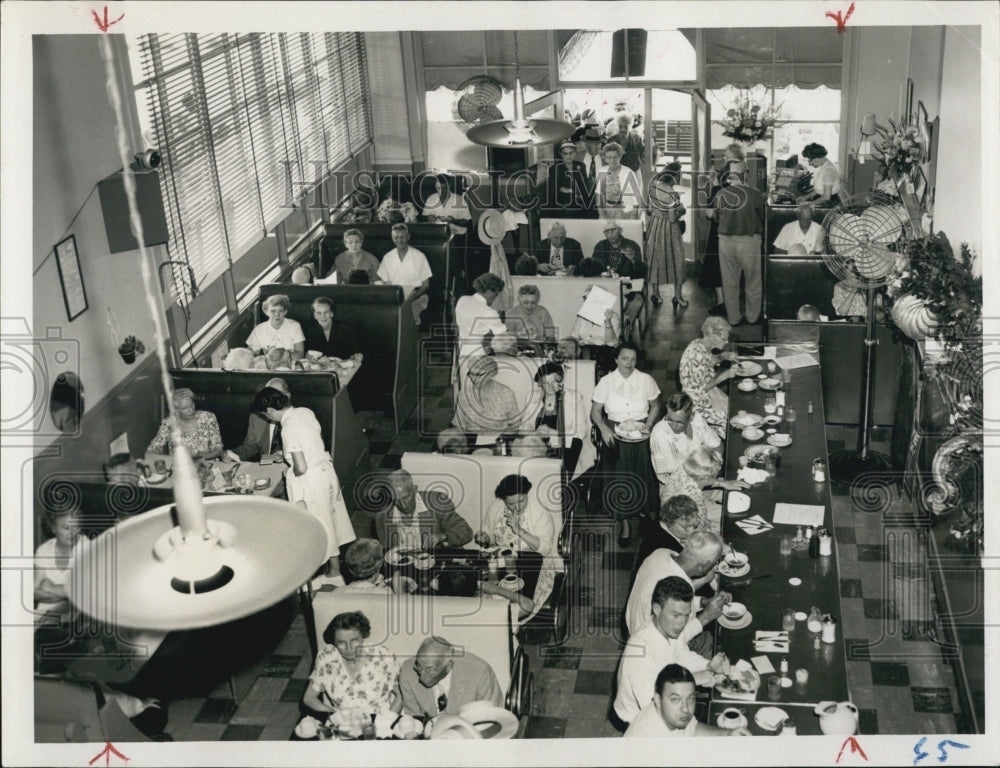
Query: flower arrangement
x=901 y=149
x=749 y=119
x=928 y=271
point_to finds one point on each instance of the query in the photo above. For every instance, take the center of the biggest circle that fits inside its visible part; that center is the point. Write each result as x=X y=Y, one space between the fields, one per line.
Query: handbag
x=682 y=225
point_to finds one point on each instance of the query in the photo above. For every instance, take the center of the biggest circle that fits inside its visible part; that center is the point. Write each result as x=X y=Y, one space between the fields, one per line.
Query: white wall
x=958 y=204
x=74 y=148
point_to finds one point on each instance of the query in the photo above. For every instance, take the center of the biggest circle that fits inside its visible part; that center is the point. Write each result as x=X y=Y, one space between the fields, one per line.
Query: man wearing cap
x=740 y=211
x=611 y=250
x=407 y=267
x=569 y=193
x=558 y=251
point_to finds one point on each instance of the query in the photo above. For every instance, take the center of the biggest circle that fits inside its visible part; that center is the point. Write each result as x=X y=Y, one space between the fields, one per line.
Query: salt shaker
x=829 y=633
x=809 y=409
x=825 y=543
x=819 y=471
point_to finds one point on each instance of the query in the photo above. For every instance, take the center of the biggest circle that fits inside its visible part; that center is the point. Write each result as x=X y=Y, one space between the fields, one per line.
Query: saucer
x=734 y=573
x=747 y=385
x=744 y=420
x=750 y=434
x=779 y=440
x=723 y=722
x=747 y=368
x=771 y=384
x=772 y=418
x=741 y=623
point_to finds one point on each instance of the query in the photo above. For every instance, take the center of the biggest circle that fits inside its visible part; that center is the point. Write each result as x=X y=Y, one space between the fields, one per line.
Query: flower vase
x=128 y=357
x=914 y=317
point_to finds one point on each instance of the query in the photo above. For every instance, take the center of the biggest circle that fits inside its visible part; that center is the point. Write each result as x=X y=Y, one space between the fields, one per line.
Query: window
x=246 y=123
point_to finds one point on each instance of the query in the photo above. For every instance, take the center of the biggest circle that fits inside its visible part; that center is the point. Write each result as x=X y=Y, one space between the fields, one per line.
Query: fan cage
x=863 y=238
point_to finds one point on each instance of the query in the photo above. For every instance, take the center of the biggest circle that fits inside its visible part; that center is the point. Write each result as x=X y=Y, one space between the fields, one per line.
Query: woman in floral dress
x=699 y=379
x=664 y=247
x=349 y=675
x=199 y=429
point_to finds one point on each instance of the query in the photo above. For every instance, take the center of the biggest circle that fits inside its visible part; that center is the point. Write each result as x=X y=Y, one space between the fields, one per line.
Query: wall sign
x=74 y=293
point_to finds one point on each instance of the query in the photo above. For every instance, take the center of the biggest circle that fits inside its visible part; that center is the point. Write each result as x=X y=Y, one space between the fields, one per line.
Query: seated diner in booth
x=328 y=337
x=407 y=266
x=278 y=331
x=528 y=319
x=802 y=236
x=199 y=429
x=354 y=258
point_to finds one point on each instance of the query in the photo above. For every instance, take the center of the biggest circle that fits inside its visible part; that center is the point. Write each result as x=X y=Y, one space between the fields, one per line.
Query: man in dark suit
x=569 y=194
x=558 y=251
x=439 y=680
x=263 y=438
x=418 y=519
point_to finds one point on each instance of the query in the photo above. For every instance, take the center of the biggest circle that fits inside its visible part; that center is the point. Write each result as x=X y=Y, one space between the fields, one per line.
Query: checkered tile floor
x=898 y=675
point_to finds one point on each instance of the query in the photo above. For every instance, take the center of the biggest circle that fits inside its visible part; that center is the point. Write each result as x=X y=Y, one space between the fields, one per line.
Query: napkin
x=763 y=664
x=752 y=475
x=770 y=642
x=754 y=525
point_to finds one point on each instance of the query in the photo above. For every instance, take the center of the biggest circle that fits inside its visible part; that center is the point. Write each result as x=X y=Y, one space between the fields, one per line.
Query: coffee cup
x=731 y=717
x=160 y=466
x=734 y=611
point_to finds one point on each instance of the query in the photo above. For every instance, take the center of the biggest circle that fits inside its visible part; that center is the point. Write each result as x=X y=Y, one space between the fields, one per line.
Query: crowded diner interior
x=507 y=384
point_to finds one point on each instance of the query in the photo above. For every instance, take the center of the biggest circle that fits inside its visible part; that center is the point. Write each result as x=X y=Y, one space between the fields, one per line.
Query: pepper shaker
x=829 y=629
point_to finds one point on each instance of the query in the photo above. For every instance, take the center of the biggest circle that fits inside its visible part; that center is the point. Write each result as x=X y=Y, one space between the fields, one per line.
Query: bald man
x=418 y=519
x=260 y=440
x=442 y=678
x=557 y=251
x=696 y=564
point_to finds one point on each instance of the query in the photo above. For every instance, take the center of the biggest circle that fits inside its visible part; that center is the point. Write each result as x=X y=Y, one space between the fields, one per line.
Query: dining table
x=797 y=581
x=265 y=477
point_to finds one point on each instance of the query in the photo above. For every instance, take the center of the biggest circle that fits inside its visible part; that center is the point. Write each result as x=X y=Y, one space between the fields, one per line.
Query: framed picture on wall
x=71 y=278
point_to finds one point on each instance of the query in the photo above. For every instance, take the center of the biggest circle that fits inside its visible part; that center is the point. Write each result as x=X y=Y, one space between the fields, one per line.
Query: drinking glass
x=770 y=404
x=788 y=616
x=785 y=545
x=774 y=688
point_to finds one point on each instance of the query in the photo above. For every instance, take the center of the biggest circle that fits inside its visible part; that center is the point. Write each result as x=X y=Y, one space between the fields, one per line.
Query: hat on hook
x=492 y=227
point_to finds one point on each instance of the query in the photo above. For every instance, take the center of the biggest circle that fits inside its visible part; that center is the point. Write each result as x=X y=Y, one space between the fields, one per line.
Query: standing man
x=593 y=160
x=407 y=267
x=569 y=194
x=558 y=251
x=740 y=209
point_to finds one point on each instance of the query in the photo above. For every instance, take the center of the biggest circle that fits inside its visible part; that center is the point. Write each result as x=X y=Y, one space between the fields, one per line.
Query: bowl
x=747 y=385
x=735 y=560
x=734 y=611
x=752 y=433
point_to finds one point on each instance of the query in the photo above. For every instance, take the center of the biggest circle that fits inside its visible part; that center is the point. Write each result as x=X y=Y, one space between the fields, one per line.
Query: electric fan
x=476 y=101
x=863 y=236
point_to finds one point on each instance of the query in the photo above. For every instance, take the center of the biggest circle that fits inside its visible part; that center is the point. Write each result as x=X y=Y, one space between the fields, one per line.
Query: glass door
x=701 y=133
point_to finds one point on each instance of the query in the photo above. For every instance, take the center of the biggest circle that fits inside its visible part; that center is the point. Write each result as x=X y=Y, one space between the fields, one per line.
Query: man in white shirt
x=803 y=231
x=476 y=317
x=407 y=267
x=671 y=710
x=696 y=564
x=657 y=644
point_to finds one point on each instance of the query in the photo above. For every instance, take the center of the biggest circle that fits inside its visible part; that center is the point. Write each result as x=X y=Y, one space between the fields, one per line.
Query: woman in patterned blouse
x=350 y=675
x=697 y=372
x=199 y=429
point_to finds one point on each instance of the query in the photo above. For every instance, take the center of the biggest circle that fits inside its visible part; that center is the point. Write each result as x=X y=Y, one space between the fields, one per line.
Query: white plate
x=395 y=557
x=747 y=385
x=771 y=384
x=746 y=420
x=737 y=502
x=733 y=573
x=770 y=718
x=779 y=440
x=772 y=418
x=750 y=434
x=734 y=619
x=747 y=368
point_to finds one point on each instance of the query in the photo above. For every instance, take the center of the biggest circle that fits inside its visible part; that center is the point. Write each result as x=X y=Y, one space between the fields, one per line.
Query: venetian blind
x=245 y=123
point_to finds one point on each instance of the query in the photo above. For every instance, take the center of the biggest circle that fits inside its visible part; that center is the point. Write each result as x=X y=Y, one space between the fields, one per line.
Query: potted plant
x=934 y=295
x=129 y=348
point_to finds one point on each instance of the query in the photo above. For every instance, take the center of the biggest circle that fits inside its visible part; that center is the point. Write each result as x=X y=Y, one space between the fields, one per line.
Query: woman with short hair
x=279 y=330
x=618 y=190
x=698 y=376
x=664 y=246
x=698 y=478
x=199 y=429
x=350 y=675
x=528 y=319
x=354 y=258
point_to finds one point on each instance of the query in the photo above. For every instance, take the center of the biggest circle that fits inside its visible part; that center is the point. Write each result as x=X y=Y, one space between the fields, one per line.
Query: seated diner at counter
x=278 y=331
x=698 y=376
x=199 y=429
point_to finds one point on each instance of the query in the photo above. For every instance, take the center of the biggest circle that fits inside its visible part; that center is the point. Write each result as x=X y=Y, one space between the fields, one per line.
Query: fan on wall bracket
x=863 y=237
x=476 y=101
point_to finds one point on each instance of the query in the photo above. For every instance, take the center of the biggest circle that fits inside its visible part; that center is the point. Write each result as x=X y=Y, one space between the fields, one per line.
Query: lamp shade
x=521 y=131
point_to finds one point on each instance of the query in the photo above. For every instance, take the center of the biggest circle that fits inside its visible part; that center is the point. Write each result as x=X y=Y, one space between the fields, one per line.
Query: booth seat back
x=470 y=481
x=841 y=354
x=375 y=314
x=228 y=394
x=433 y=240
x=563 y=296
x=400 y=623
x=791 y=281
x=589 y=232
